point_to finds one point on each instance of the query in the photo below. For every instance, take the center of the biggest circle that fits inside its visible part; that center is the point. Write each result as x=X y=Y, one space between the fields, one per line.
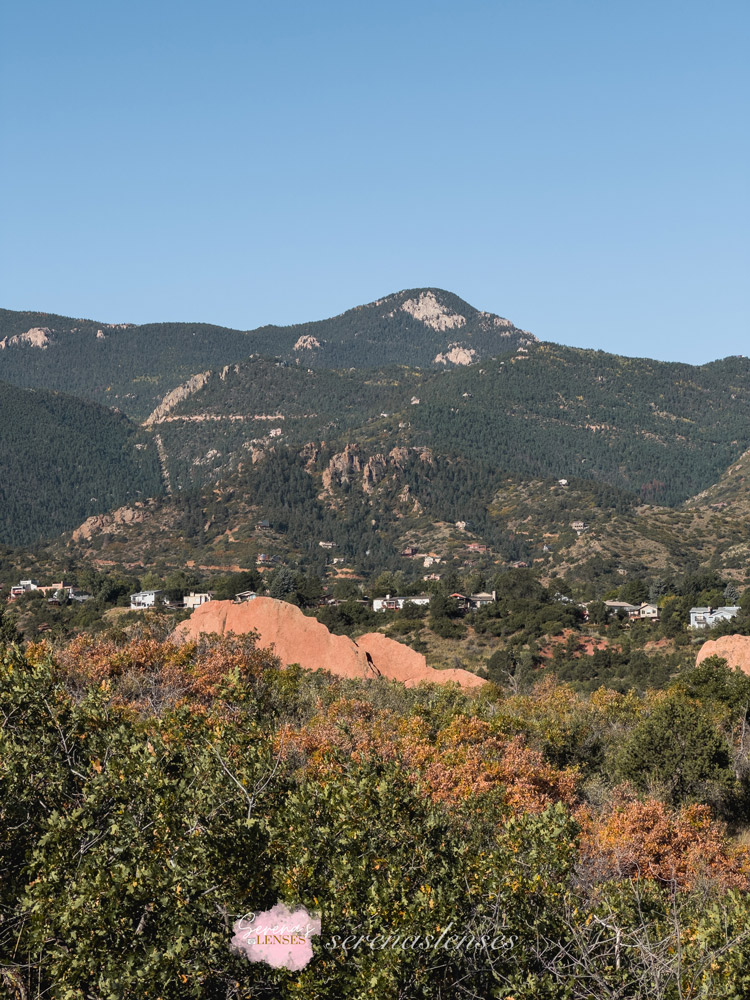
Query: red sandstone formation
x=735 y=649
x=402 y=663
x=295 y=638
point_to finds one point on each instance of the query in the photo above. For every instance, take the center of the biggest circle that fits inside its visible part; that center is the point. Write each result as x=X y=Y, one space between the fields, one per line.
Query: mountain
x=63 y=459
x=661 y=431
x=135 y=367
x=412 y=435
x=413 y=512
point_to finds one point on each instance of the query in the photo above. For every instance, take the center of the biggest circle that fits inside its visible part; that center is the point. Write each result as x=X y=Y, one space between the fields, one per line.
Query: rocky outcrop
x=193 y=384
x=342 y=467
x=345 y=465
x=309 y=454
x=402 y=663
x=108 y=523
x=373 y=471
x=306 y=343
x=37 y=336
x=295 y=638
x=457 y=354
x=735 y=649
x=398 y=456
x=427 y=309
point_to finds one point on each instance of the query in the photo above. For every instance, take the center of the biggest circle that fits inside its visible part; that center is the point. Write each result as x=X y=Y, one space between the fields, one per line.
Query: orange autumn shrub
x=145 y=671
x=650 y=840
x=467 y=758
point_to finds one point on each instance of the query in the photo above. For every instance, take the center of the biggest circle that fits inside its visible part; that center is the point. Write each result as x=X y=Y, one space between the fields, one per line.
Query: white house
x=389 y=603
x=146 y=599
x=194 y=600
x=244 y=595
x=479 y=600
x=617 y=606
x=706 y=617
x=648 y=611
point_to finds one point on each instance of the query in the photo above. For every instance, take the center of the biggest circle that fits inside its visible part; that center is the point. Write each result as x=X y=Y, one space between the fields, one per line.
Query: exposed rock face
x=343 y=466
x=37 y=336
x=309 y=453
x=735 y=649
x=306 y=343
x=373 y=472
x=109 y=523
x=402 y=663
x=405 y=497
x=398 y=456
x=193 y=384
x=427 y=309
x=295 y=638
x=457 y=354
x=490 y=320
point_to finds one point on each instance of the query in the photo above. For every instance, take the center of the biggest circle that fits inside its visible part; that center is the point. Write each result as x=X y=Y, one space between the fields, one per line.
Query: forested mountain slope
x=134 y=367
x=659 y=430
x=63 y=459
x=130 y=367
x=374 y=513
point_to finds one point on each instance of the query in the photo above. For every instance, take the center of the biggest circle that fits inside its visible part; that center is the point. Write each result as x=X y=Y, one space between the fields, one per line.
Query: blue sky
x=580 y=167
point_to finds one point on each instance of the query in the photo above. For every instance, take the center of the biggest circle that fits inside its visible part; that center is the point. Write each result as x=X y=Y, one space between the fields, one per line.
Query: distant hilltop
x=135 y=367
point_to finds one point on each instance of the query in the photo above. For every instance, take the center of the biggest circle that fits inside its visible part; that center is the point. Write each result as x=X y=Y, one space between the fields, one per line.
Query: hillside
x=63 y=459
x=376 y=455
x=659 y=430
x=134 y=367
x=368 y=510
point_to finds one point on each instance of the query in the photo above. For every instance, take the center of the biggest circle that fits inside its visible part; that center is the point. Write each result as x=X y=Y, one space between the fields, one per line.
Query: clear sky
x=579 y=166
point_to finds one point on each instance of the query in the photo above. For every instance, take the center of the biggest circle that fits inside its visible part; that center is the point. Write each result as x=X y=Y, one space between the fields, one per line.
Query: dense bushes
x=151 y=793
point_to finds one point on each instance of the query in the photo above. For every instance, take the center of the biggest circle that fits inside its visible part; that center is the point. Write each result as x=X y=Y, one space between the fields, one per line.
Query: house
x=562 y=482
x=22 y=588
x=648 y=611
x=244 y=595
x=479 y=600
x=430 y=560
x=578 y=526
x=431 y=576
x=389 y=603
x=617 y=607
x=409 y=552
x=79 y=595
x=263 y=526
x=194 y=600
x=54 y=589
x=327 y=545
x=476 y=547
x=461 y=600
x=707 y=617
x=263 y=559
x=146 y=599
